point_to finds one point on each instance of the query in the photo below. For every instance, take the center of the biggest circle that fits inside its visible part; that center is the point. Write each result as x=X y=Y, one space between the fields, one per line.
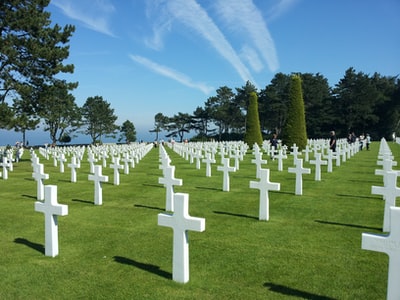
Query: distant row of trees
x=359 y=103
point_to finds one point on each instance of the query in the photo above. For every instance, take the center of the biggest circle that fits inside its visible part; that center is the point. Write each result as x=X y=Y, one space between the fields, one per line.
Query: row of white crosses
x=6 y=165
x=130 y=153
x=179 y=220
x=51 y=208
x=318 y=147
x=389 y=243
x=169 y=180
x=226 y=151
x=264 y=185
x=7 y=162
x=98 y=178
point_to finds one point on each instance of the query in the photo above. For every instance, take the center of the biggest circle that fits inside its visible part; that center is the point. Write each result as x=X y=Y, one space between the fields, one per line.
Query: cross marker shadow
x=83 y=201
x=359 y=196
x=149 y=207
x=35 y=246
x=348 y=225
x=207 y=188
x=293 y=292
x=146 y=267
x=233 y=214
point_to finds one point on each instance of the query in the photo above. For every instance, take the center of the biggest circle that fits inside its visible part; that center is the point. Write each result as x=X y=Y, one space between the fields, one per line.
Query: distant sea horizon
x=39 y=137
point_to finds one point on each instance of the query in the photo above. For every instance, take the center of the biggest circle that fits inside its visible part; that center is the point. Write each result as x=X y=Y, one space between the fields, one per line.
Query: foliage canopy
x=294 y=131
x=253 y=131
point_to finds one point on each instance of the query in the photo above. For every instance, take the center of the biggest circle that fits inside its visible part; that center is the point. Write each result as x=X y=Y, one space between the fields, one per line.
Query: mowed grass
x=309 y=249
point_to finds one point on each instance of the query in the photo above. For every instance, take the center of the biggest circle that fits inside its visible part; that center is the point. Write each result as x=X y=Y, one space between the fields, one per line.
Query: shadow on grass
x=154 y=185
x=150 y=207
x=207 y=188
x=244 y=177
x=35 y=246
x=146 y=267
x=29 y=196
x=348 y=225
x=65 y=180
x=233 y=214
x=374 y=182
x=83 y=201
x=358 y=196
x=293 y=292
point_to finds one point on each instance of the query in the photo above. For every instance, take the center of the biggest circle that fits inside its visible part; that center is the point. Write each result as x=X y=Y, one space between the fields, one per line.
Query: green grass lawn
x=309 y=249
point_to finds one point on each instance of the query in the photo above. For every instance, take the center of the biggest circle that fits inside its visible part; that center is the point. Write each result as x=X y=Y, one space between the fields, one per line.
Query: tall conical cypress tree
x=253 y=129
x=294 y=131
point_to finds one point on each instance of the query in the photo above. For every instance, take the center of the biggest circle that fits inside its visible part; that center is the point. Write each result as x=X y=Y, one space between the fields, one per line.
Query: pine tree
x=253 y=130
x=32 y=54
x=294 y=131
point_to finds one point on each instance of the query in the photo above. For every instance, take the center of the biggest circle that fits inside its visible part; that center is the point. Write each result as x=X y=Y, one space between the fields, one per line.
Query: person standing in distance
x=332 y=141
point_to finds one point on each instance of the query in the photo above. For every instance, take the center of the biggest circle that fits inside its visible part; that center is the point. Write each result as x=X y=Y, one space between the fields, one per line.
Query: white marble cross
x=392 y=162
x=91 y=159
x=198 y=155
x=307 y=152
x=318 y=162
x=55 y=157
x=226 y=169
x=208 y=161
x=389 y=244
x=280 y=156
x=258 y=161
x=98 y=178
x=62 y=159
x=35 y=161
x=330 y=158
x=169 y=181
x=133 y=156
x=10 y=161
x=104 y=157
x=299 y=171
x=73 y=165
x=264 y=185
x=236 y=156
x=181 y=222
x=390 y=192
x=164 y=159
x=295 y=151
x=39 y=175
x=51 y=210
x=337 y=155
x=126 y=160
x=5 y=164
x=386 y=167
x=116 y=166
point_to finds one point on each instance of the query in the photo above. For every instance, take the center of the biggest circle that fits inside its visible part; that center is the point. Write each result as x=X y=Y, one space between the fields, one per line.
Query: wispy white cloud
x=194 y=17
x=172 y=74
x=159 y=30
x=250 y=55
x=280 y=8
x=244 y=16
x=162 y=23
x=92 y=14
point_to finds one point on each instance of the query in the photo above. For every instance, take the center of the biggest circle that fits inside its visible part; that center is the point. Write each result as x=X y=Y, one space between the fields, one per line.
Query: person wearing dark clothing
x=274 y=141
x=274 y=144
x=332 y=141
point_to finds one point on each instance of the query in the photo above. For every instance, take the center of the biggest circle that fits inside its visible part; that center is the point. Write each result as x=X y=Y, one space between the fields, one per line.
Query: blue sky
x=169 y=56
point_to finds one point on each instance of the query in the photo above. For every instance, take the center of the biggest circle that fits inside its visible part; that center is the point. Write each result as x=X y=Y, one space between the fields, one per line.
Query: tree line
x=359 y=103
x=32 y=56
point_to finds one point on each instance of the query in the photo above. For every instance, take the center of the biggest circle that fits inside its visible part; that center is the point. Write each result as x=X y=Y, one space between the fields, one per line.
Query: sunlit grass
x=310 y=247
